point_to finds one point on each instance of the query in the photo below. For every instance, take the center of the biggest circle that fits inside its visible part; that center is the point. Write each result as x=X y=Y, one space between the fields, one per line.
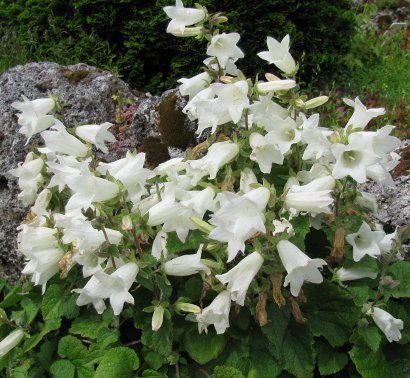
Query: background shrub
x=129 y=36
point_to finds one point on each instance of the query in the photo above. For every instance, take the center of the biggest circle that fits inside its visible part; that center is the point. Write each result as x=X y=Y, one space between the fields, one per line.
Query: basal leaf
x=159 y=341
x=62 y=369
x=329 y=360
x=118 y=362
x=56 y=304
x=371 y=336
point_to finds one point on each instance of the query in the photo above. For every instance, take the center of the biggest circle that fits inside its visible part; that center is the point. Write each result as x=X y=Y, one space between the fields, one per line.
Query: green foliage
x=130 y=36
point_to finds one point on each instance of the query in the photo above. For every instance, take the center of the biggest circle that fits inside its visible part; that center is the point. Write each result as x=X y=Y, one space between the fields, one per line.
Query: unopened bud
x=315 y=102
x=157 y=318
x=300 y=103
x=271 y=77
x=42 y=201
x=126 y=223
x=9 y=342
x=221 y=19
x=202 y=225
x=226 y=79
x=189 y=32
x=334 y=137
x=389 y=282
x=187 y=307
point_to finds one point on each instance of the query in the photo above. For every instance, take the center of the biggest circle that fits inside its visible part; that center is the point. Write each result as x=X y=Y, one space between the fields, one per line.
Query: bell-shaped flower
x=42 y=201
x=216 y=314
x=159 y=245
x=93 y=292
x=239 y=218
x=275 y=85
x=365 y=242
x=61 y=142
x=96 y=134
x=284 y=134
x=379 y=173
x=181 y=17
x=132 y=174
x=232 y=99
x=388 y=241
x=388 y=324
x=29 y=178
x=361 y=115
x=344 y=274
x=11 y=341
x=279 y=55
x=33 y=117
x=229 y=69
x=223 y=47
x=381 y=140
x=264 y=152
x=64 y=167
x=316 y=139
x=217 y=156
x=201 y=100
x=194 y=85
x=265 y=112
x=240 y=277
x=300 y=268
x=314 y=197
x=282 y=225
x=368 y=201
x=186 y=265
x=248 y=178
x=353 y=159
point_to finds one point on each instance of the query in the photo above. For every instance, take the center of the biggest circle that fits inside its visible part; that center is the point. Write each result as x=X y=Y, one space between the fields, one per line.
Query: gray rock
x=153 y=124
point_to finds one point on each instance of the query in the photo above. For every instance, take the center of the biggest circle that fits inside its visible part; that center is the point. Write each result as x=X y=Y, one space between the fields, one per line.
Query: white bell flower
x=223 y=47
x=388 y=324
x=96 y=134
x=314 y=197
x=239 y=218
x=186 y=265
x=42 y=201
x=368 y=201
x=317 y=170
x=232 y=99
x=93 y=292
x=217 y=156
x=361 y=115
x=29 y=178
x=264 y=152
x=60 y=141
x=248 y=178
x=344 y=274
x=316 y=139
x=64 y=167
x=381 y=140
x=282 y=225
x=388 y=241
x=159 y=245
x=131 y=172
x=300 y=268
x=275 y=85
x=279 y=55
x=34 y=118
x=181 y=17
x=201 y=99
x=378 y=173
x=265 y=112
x=229 y=69
x=353 y=159
x=216 y=314
x=191 y=87
x=11 y=341
x=284 y=134
x=365 y=242
x=240 y=277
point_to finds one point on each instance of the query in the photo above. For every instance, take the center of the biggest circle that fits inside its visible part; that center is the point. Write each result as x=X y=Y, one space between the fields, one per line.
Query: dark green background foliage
x=129 y=35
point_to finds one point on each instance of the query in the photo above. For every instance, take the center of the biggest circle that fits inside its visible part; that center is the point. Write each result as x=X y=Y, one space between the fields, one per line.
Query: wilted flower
x=239 y=278
x=300 y=267
x=389 y=325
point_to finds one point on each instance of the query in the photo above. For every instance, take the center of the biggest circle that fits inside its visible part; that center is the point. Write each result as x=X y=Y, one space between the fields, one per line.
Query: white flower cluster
x=182 y=195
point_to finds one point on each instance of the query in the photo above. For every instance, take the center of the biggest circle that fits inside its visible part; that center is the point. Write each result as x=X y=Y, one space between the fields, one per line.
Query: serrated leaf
x=301 y=225
x=203 y=348
x=400 y=271
x=118 y=362
x=30 y=309
x=371 y=336
x=331 y=312
x=62 y=369
x=238 y=357
x=56 y=304
x=20 y=371
x=73 y=349
x=263 y=365
x=152 y=374
x=159 y=341
x=88 y=325
x=226 y=372
x=371 y=364
x=329 y=360
x=85 y=372
x=154 y=360
x=48 y=326
x=12 y=298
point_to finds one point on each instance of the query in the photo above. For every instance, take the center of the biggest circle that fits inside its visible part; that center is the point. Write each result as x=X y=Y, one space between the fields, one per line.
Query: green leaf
x=359 y=293
x=301 y=225
x=194 y=239
x=226 y=372
x=371 y=336
x=400 y=271
x=20 y=371
x=12 y=298
x=85 y=372
x=203 y=348
x=62 y=369
x=154 y=360
x=331 y=312
x=73 y=349
x=159 y=341
x=118 y=362
x=263 y=365
x=30 y=309
x=371 y=364
x=238 y=357
x=88 y=325
x=56 y=304
x=48 y=326
x=152 y=374
x=329 y=360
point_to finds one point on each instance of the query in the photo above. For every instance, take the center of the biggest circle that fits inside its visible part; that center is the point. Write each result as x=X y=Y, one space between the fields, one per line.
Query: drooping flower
x=284 y=134
x=388 y=324
x=344 y=274
x=239 y=218
x=316 y=139
x=361 y=115
x=279 y=55
x=300 y=268
x=216 y=314
x=181 y=17
x=365 y=242
x=96 y=134
x=186 y=265
x=247 y=179
x=34 y=117
x=223 y=47
x=11 y=341
x=264 y=152
x=194 y=85
x=240 y=277
x=159 y=245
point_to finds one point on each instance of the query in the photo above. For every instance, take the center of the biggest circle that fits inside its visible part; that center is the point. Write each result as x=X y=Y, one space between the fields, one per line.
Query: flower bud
x=126 y=223
x=276 y=85
x=189 y=32
x=221 y=19
x=9 y=342
x=300 y=103
x=271 y=77
x=42 y=201
x=187 y=307
x=157 y=318
x=315 y=102
x=202 y=225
